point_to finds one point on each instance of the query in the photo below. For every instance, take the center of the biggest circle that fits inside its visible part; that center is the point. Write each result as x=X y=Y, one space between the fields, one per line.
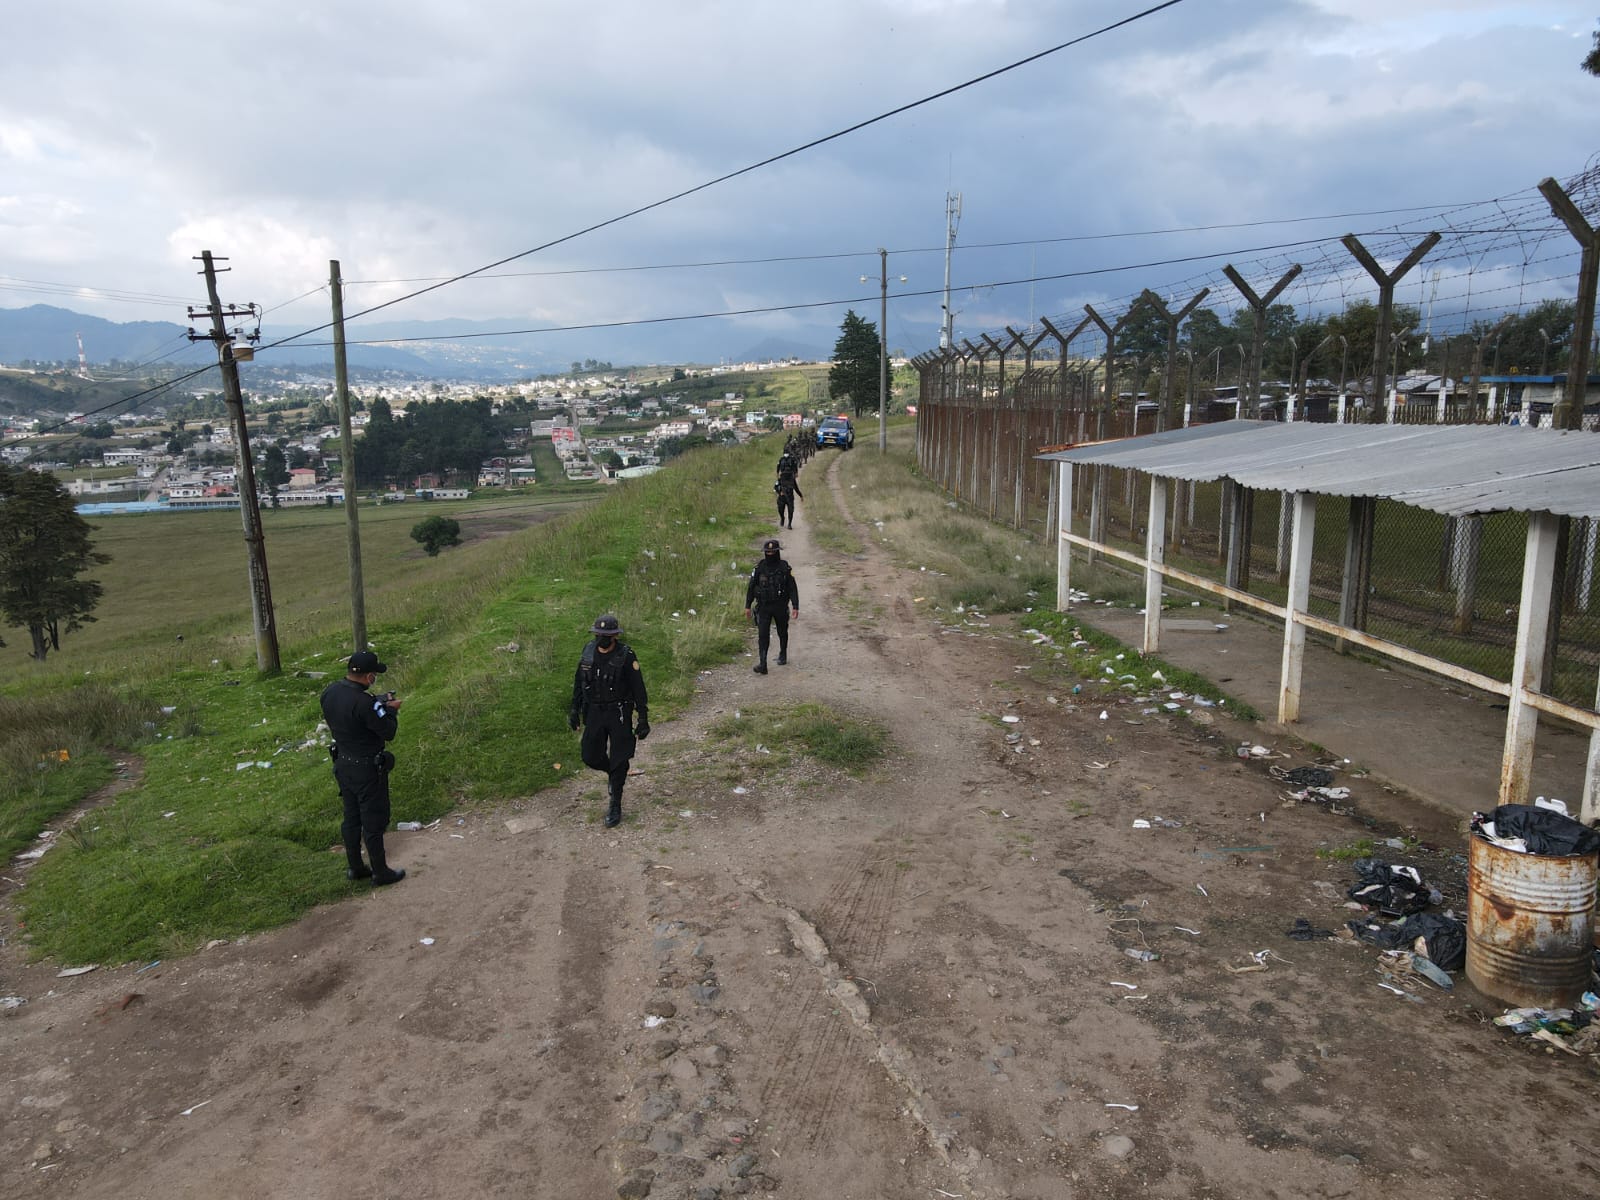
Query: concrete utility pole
x=347 y=459
x=260 y=590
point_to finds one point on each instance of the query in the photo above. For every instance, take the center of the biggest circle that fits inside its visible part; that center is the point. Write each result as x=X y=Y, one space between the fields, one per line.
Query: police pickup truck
x=836 y=431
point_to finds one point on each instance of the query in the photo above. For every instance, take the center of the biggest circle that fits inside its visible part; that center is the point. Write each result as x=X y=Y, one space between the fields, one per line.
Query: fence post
x=1568 y=412
x=1385 y=281
x=1258 y=306
x=1173 y=320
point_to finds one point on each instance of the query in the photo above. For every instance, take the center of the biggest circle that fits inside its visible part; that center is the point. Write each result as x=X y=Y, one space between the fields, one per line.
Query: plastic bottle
x=408 y=826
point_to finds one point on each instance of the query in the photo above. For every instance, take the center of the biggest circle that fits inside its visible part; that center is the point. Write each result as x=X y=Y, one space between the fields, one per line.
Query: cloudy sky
x=416 y=141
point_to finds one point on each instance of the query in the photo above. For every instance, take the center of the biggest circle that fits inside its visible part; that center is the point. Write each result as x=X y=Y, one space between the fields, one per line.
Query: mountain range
x=46 y=334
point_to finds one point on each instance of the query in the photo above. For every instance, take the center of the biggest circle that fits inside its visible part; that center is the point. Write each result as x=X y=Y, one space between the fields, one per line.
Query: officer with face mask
x=606 y=692
x=770 y=594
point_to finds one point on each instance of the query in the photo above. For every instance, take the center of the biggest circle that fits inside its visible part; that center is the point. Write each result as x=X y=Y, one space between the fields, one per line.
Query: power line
x=755 y=166
x=840 y=254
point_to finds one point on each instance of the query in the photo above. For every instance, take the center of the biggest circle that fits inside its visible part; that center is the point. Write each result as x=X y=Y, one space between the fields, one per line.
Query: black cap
x=770 y=546
x=607 y=624
x=363 y=661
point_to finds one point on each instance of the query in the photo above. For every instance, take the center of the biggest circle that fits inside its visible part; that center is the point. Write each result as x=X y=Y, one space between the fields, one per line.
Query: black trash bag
x=1394 y=891
x=1543 y=829
x=1308 y=776
x=1303 y=931
x=1444 y=939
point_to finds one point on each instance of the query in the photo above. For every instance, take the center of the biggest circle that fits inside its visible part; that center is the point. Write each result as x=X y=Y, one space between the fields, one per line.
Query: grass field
x=214 y=843
x=233 y=826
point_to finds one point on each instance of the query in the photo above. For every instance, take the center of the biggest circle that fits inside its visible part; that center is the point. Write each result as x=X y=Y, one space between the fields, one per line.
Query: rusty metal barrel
x=1530 y=924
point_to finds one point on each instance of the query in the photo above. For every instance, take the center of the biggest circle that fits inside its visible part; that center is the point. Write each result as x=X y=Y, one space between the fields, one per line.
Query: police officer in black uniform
x=771 y=592
x=606 y=692
x=361 y=723
x=787 y=487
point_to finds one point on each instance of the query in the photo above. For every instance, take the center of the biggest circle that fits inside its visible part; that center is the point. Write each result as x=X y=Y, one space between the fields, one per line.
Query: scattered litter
x=462 y=836
x=1185 y=929
x=1425 y=967
x=1141 y=823
x=1303 y=931
x=1202 y=891
x=69 y=972
x=194 y=1108
x=170 y=815
x=1011 y=720
x=1439 y=938
x=1104 y=715
x=652 y=1021
x=408 y=826
x=741 y=791
x=149 y=966
x=1132 y=987
x=1301 y=777
x=427 y=941
x=1098 y=766
x=12 y=1003
x=1139 y=955
x=1129 y=1107
x=1396 y=891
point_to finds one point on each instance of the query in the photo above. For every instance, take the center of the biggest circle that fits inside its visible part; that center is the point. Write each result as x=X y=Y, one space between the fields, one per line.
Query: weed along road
x=876 y=924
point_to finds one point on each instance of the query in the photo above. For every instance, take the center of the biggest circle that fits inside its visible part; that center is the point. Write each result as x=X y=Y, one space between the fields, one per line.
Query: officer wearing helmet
x=770 y=594
x=606 y=693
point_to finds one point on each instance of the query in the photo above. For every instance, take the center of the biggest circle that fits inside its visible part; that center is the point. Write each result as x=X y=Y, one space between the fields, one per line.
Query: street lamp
x=883 y=347
x=1544 y=358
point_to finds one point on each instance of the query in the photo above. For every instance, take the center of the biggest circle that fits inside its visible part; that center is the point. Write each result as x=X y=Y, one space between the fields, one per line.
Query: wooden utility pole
x=260 y=590
x=347 y=459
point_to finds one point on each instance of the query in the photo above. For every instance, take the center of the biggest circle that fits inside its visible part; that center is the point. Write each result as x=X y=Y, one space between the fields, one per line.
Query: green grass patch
x=772 y=737
x=968 y=560
x=829 y=529
x=1361 y=848
x=206 y=849
x=53 y=753
x=1105 y=664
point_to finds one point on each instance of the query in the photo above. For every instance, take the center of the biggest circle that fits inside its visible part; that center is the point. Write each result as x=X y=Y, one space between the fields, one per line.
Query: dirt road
x=913 y=985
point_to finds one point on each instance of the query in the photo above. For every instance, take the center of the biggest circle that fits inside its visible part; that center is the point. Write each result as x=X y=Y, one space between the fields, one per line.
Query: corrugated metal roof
x=1456 y=470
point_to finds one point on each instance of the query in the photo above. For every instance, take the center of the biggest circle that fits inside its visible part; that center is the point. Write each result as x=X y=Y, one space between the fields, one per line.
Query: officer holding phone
x=361 y=723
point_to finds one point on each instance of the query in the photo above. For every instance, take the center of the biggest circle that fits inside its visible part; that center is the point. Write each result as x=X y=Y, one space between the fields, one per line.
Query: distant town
x=587 y=427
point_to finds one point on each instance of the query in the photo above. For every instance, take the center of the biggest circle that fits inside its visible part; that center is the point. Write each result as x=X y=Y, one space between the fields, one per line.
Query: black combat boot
x=357 y=868
x=783 y=656
x=382 y=873
x=614 y=812
x=760 y=668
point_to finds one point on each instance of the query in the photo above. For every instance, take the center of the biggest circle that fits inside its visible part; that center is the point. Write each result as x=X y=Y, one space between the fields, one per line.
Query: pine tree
x=856 y=370
x=44 y=547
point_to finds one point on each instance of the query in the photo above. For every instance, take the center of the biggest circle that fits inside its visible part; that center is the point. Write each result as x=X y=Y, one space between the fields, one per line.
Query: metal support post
x=1304 y=518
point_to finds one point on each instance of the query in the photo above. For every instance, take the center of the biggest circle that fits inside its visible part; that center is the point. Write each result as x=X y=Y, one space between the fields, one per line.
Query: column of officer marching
x=609 y=701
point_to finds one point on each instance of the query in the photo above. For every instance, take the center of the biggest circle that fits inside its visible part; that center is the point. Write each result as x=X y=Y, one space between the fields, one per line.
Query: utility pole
x=883 y=350
x=347 y=458
x=260 y=590
x=952 y=218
